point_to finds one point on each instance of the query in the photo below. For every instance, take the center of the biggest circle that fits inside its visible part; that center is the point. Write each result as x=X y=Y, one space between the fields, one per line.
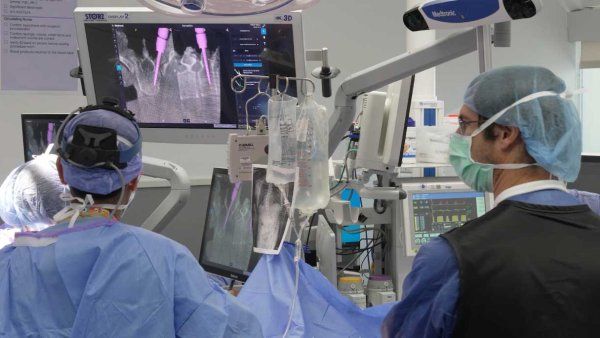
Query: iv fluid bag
x=311 y=191
x=282 y=139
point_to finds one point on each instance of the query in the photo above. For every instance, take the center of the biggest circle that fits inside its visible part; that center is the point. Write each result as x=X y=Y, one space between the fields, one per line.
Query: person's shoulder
x=436 y=253
x=149 y=239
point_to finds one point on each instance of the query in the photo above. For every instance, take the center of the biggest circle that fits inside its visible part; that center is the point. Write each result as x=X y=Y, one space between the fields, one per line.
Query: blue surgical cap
x=30 y=195
x=550 y=125
x=99 y=180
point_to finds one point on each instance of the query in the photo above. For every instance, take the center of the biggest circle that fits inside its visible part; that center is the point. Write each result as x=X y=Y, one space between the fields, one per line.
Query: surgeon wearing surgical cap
x=91 y=275
x=529 y=267
x=30 y=197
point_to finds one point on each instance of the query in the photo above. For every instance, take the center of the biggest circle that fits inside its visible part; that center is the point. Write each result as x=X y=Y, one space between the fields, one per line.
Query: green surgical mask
x=479 y=177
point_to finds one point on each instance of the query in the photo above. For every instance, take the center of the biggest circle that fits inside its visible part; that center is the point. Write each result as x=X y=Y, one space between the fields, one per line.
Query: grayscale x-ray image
x=179 y=75
x=39 y=132
x=171 y=86
x=228 y=238
x=270 y=211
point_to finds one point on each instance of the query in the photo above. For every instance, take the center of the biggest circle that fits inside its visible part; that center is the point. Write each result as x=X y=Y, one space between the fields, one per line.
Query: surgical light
x=450 y=14
x=226 y=7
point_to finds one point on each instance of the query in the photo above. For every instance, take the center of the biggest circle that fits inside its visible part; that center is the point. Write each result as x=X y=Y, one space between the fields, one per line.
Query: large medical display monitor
x=176 y=72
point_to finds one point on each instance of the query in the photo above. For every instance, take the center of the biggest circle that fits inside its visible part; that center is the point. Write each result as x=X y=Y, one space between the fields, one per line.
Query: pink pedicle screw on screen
x=161 y=45
x=202 y=41
x=50 y=133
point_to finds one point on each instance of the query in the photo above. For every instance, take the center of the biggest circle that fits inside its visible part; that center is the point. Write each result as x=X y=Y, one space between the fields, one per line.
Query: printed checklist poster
x=38 y=45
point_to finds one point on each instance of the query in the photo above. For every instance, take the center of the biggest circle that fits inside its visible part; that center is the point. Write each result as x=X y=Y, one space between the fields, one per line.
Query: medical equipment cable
x=368 y=257
x=358 y=254
x=344 y=169
x=121 y=195
x=353 y=252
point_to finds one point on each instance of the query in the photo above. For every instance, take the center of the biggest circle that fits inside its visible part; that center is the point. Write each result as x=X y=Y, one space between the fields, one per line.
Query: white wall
x=359 y=34
x=541 y=41
x=590 y=114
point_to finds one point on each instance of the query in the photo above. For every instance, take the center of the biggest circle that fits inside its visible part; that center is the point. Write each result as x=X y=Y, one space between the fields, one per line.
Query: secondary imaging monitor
x=228 y=240
x=39 y=131
x=432 y=209
x=175 y=73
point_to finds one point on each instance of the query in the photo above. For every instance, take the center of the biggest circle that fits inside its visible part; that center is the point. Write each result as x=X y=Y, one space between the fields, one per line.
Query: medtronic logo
x=94 y=17
x=443 y=14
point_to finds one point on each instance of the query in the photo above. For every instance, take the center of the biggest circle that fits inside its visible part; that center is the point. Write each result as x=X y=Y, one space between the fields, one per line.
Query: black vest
x=529 y=271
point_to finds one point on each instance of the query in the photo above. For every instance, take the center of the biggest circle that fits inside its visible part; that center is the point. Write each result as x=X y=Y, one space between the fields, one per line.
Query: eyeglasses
x=463 y=124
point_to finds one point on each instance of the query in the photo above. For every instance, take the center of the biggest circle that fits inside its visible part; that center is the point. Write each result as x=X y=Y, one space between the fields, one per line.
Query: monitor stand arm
x=177 y=197
x=390 y=71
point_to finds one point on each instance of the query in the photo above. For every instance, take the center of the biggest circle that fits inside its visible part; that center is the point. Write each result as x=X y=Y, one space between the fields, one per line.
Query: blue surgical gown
x=431 y=290
x=108 y=279
x=320 y=310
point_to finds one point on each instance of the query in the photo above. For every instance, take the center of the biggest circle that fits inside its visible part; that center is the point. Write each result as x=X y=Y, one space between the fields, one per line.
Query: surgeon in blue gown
x=519 y=138
x=29 y=198
x=93 y=276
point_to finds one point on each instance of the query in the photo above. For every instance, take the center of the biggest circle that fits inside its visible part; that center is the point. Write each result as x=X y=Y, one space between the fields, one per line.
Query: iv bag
x=282 y=139
x=311 y=187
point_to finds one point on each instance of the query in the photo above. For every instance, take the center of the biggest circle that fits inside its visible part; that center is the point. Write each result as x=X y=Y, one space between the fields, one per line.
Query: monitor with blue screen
x=433 y=209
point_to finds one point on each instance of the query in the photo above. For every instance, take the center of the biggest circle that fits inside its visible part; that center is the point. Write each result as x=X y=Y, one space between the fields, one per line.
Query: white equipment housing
x=452 y=14
x=326 y=254
x=244 y=151
x=383 y=126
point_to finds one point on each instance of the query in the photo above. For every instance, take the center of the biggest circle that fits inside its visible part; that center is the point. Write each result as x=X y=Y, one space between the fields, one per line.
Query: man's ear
x=59 y=168
x=507 y=137
x=133 y=185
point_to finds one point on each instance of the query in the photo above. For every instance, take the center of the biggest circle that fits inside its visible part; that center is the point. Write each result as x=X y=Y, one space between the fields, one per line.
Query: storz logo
x=95 y=17
x=443 y=14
